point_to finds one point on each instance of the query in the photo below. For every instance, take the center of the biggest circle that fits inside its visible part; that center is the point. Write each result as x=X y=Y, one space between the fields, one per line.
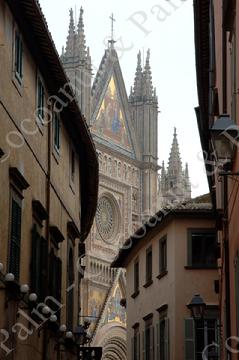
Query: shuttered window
x=148 y=340
x=40 y=99
x=149 y=265
x=15 y=238
x=70 y=289
x=189 y=331
x=162 y=336
x=39 y=260
x=135 y=348
x=18 y=56
x=55 y=275
x=56 y=131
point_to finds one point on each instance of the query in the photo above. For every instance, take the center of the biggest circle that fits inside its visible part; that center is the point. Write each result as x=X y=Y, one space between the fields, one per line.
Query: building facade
x=49 y=182
x=124 y=130
x=169 y=260
x=216 y=43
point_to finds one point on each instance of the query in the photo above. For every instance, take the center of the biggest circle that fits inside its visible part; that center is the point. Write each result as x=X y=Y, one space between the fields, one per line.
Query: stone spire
x=81 y=43
x=174 y=162
x=174 y=184
x=70 y=43
x=148 y=91
x=138 y=80
x=77 y=63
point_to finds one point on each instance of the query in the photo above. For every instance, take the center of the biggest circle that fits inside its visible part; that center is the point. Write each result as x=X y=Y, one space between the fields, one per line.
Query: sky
x=166 y=28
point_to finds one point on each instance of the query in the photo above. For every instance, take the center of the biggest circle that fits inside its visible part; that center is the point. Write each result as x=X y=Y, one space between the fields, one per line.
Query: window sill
x=17 y=83
x=148 y=283
x=72 y=187
x=162 y=274
x=56 y=154
x=202 y=267
x=135 y=294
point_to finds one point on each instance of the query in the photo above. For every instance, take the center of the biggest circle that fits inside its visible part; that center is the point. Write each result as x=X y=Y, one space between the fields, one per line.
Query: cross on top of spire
x=112 y=41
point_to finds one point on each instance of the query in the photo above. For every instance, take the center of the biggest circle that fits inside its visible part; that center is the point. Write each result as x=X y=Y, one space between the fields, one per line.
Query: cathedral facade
x=124 y=129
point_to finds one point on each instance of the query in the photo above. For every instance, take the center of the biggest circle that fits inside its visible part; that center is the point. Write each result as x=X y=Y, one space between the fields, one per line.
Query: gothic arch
x=112 y=338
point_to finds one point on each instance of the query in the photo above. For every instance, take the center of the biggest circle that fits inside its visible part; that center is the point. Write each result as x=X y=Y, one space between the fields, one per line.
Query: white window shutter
x=189 y=337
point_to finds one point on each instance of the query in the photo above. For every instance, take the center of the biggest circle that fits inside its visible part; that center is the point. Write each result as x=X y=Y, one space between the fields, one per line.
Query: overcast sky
x=164 y=26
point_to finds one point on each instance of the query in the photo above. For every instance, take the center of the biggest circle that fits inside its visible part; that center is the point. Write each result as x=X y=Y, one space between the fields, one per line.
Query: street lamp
x=224 y=137
x=80 y=335
x=197 y=307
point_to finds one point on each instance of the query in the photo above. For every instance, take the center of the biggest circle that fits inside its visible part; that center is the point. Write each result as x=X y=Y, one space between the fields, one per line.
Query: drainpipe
x=227 y=266
x=48 y=189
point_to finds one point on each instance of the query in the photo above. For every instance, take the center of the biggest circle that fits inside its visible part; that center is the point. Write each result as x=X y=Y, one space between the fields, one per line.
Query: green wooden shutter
x=58 y=279
x=15 y=239
x=189 y=329
x=132 y=348
x=35 y=262
x=43 y=254
x=218 y=341
x=151 y=342
x=166 y=340
x=158 y=341
x=20 y=56
x=144 y=344
x=52 y=273
x=138 y=346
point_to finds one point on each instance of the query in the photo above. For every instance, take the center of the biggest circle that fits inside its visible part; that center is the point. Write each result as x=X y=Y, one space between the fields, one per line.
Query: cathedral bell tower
x=77 y=64
x=144 y=112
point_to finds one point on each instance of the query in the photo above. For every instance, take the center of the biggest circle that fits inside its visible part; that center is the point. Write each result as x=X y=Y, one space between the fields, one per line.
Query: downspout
x=48 y=189
x=227 y=267
x=225 y=227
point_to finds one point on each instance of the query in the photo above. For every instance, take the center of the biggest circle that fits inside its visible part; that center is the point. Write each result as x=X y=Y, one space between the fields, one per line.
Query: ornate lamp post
x=197 y=307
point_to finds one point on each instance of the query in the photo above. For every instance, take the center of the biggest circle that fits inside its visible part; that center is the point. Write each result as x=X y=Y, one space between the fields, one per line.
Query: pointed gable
x=111 y=122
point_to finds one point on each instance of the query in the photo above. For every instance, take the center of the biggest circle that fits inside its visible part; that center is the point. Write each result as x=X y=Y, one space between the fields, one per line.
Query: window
x=200 y=338
x=40 y=99
x=55 y=274
x=39 y=263
x=136 y=343
x=136 y=277
x=149 y=271
x=56 y=131
x=18 y=183
x=18 y=65
x=148 y=339
x=163 y=339
x=15 y=236
x=72 y=165
x=163 y=255
x=70 y=288
x=202 y=248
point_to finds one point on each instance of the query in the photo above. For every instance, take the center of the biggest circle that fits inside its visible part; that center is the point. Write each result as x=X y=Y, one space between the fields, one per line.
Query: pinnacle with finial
x=70 y=43
x=81 y=43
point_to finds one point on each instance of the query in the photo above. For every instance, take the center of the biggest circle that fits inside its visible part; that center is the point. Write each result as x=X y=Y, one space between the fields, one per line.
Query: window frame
x=163 y=256
x=17 y=198
x=149 y=266
x=56 y=132
x=40 y=102
x=18 y=56
x=190 y=232
x=136 y=278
